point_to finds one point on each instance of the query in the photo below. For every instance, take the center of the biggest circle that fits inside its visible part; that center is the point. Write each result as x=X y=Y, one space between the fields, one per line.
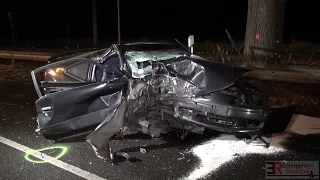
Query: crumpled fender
x=108 y=128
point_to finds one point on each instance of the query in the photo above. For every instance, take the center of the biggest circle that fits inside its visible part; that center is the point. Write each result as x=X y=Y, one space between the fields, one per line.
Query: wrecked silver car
x=149 y=88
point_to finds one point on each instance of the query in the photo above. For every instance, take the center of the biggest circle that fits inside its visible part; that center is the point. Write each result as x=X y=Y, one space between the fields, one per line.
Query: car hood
x=207 y=76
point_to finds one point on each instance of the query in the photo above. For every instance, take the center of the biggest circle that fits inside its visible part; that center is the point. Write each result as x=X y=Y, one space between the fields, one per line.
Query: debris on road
x=123 y=154
x=142 y=150
x=181 y=158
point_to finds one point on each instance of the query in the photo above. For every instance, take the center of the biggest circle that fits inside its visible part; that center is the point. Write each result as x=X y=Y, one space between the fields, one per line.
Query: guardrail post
x=191 y=43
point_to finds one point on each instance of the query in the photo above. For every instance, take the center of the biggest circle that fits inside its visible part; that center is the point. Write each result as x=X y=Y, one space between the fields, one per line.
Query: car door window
x=112 y=65
x=78 y=70
x=64 y=75
x=112 y=71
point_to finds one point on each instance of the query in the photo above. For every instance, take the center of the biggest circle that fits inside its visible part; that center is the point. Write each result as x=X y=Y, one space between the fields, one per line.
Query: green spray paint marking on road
x=64 y=150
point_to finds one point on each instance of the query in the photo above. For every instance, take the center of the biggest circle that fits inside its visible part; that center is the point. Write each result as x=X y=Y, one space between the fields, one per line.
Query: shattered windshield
x=140 y=61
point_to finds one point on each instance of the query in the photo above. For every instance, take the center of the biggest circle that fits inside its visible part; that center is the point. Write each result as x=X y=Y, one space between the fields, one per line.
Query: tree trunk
x=118 y=10
x=12 y=30
x=94 y=23
x=281 y=8
x=263 y=28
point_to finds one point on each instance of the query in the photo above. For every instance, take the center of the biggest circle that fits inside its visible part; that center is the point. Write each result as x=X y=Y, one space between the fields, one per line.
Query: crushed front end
x=190 y=95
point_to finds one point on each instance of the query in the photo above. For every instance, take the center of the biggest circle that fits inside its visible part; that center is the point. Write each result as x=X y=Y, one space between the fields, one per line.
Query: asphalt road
x=167 y=157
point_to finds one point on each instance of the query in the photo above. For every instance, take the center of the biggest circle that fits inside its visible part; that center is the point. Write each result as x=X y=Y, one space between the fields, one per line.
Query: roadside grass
x=295 y=53
x=306 y=96
x=19 y=72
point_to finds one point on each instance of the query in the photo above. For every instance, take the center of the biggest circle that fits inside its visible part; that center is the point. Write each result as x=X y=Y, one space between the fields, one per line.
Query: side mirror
x=191 y=43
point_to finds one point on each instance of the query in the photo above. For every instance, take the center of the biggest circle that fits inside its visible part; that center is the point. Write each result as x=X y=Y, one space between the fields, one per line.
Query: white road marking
x=73 y=169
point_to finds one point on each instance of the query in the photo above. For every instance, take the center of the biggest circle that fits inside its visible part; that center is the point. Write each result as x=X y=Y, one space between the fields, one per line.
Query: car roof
x=148 y=46
x=142 y=43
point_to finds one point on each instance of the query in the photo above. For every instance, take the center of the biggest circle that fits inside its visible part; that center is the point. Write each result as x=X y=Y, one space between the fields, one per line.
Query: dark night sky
x=206 y=19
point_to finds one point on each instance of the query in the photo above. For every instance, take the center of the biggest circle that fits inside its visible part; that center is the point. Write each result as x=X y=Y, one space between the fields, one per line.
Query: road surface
x=214 y=156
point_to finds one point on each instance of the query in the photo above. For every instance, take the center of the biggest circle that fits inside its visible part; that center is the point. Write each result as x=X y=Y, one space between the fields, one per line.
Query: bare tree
x=264 y=27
